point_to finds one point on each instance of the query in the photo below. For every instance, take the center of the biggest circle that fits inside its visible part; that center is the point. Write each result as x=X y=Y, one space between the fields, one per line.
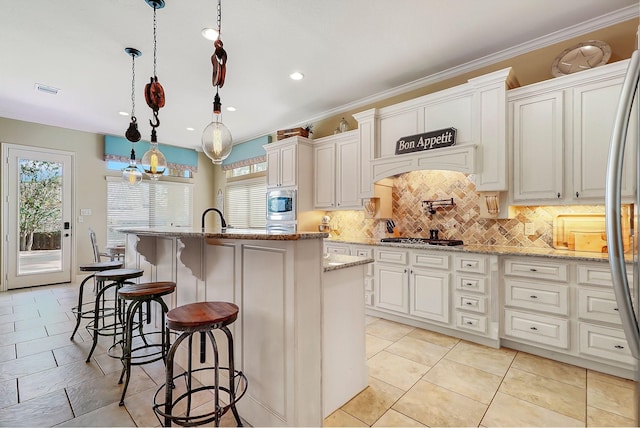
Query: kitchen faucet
x=224 y=223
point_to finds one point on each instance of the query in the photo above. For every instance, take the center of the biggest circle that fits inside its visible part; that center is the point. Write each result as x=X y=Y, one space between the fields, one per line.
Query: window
x=245 y=202
x=149 y=204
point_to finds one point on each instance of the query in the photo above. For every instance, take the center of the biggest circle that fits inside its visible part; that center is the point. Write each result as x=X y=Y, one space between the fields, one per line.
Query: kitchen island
x=299 y=336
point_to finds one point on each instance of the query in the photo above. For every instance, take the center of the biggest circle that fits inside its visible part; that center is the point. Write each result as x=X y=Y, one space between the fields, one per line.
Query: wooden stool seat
x=119 y=274
x=100 y=266
x=146 y=290
x=202 y=316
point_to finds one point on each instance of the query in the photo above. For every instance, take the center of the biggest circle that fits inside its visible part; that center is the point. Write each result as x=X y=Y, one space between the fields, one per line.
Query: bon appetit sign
x=427 y=141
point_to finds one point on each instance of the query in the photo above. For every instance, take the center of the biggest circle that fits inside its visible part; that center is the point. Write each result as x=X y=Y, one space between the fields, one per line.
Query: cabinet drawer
x=604 y=342
x=471 y=263
x=471 y=303
x=477 y=323
x=534 y=295
x=337 y=249
x=363 y=252
x=597 y=275
x=545 y=270
x=537 y=328
x=391 y=256
x=368 y=284
x=468 y=283
x=432 y=260
x=598 y=305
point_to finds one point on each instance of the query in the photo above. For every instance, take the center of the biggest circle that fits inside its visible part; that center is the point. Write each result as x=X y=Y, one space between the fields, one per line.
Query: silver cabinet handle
x=619 y=347
x=534 y=296
x=533 y=328
x=533 y=270
x=613 y=203
x=469 y=323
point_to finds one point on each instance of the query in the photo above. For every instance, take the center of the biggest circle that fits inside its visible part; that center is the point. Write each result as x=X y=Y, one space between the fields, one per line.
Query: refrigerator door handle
x=613 y=206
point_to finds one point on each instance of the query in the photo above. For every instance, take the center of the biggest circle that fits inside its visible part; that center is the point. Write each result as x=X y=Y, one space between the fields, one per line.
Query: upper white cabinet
x=288 y=165
x=561 y=131
x=336 y=167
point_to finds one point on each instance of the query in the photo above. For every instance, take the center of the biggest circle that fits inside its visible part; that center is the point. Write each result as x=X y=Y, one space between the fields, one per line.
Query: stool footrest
x=240 y=383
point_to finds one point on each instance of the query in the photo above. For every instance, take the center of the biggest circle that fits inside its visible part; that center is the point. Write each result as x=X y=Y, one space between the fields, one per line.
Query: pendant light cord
x=155 y=25
x=133 y=86
x=219 y=19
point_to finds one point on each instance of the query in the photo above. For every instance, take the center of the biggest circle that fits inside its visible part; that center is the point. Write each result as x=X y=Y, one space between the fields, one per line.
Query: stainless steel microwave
x=281 y=205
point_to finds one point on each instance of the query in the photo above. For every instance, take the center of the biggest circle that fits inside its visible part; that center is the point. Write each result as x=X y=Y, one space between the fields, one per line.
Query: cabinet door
x=538 y=147
x=288 y=165
x=348 y=160
x=392 y=288
x=430 y=295
x=594 y=110
x=273 y=168
x=324 y=176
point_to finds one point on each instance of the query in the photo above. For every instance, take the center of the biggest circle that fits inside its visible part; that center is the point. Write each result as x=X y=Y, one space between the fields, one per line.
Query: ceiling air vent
x=47 y=89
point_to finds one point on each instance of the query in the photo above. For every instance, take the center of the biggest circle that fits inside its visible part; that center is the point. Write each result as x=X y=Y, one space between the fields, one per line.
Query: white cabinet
x=471 y=298
x=561 y=131
x=336 y=172
x=289 y=165
x=282 y=166
x=429 y=294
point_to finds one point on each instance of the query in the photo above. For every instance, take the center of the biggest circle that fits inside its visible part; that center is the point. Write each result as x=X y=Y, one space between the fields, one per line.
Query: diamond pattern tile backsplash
x=461 y=221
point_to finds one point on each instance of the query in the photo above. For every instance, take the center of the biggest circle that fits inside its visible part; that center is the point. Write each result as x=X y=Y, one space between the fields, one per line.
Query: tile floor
x=417 y=378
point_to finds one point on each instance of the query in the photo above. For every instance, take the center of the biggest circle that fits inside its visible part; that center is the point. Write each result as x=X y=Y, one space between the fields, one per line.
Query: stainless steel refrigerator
x=627 y=294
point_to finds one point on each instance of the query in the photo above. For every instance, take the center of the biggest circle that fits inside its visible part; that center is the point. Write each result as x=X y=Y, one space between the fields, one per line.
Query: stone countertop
x=332 y=262
x=489 y=249
x=197 y=232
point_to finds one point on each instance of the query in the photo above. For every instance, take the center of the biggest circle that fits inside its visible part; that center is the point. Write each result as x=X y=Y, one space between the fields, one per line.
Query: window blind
x=149 y=204
x=245 y=203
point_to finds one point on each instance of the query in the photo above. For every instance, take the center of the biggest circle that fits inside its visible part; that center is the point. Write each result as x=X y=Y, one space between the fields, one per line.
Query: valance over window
x=247 y=153
x=178 y=158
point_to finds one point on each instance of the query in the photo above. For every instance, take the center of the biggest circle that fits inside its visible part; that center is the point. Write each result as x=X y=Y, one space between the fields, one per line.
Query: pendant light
x=153 y=161
x=216 y=137
x=131 y=175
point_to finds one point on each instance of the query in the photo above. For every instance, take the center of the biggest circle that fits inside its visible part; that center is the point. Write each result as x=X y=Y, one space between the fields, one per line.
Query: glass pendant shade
x=131 y=174
x=216 y=141
x=153 y=162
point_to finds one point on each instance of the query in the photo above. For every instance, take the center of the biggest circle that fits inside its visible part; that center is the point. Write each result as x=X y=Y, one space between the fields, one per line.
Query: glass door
x=37 y=225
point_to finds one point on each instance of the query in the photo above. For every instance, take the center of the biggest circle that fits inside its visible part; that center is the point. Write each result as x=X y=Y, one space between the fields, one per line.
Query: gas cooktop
x=444 y=242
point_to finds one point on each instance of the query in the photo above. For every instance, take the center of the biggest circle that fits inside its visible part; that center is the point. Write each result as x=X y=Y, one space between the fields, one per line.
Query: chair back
x=94 y=245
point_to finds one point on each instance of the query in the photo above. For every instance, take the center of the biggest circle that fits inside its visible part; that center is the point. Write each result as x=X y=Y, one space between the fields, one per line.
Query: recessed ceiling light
x=209 y=33
x=46 y=89
x=191 y=129
x=123 y=113
x=231 y=108
x=296 y=75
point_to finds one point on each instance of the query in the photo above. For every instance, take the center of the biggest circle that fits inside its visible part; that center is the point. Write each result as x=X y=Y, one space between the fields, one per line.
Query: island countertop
x=229 y=233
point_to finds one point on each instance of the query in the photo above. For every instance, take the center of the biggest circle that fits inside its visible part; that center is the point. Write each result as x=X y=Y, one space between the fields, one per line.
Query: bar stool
x=99 y=326
x=136 y=295
x=79 y=310
x=203 y=318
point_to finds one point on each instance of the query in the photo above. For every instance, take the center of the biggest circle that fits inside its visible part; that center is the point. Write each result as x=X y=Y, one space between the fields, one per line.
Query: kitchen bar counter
x=489 y=249
x=299 y=335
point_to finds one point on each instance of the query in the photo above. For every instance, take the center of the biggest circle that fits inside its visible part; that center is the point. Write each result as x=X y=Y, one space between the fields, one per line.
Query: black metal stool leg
x=97 y=317
x=79 y=307
x=232 y=391
x=126 y=350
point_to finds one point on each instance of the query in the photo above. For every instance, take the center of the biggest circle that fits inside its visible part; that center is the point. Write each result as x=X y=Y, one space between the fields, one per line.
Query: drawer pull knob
x=469 y=322
x=469 y=265
x=615 y=309
x=534 y=296
x=619 y=347
x=533 y=328
x=469 y=284
x=470 y=303
x=533 y=270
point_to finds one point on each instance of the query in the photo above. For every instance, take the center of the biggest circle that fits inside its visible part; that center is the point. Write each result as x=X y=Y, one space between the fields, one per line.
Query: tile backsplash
x=461 y=221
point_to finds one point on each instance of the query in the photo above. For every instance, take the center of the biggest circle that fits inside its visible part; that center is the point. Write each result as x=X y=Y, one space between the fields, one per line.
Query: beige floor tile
x=435 y=338
x=140 y=407
x=48 y=343
x=50 y=380
x=8 y=327
x=27 y=365
x=611 y=394
x=556 y=370
x=495 y=361
x=60 y=327
x=465 y=380
x=88 y=396
x=375 y=344
x=46 y=410
x=601 y=418
x=23 y=336
x=394 y=418
x=8 y=393
x=389 y=330
x=340 y=418
x=373 y=402
x=445 y=408
x=557 y=396
x=41 y=321
x=107 y=363
x=76 y=351
x=395 y=370
x=7 y=352
x=368 y=319
x=508 y=411
x=111 y=415
x=603 y=377
x=418 y=350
